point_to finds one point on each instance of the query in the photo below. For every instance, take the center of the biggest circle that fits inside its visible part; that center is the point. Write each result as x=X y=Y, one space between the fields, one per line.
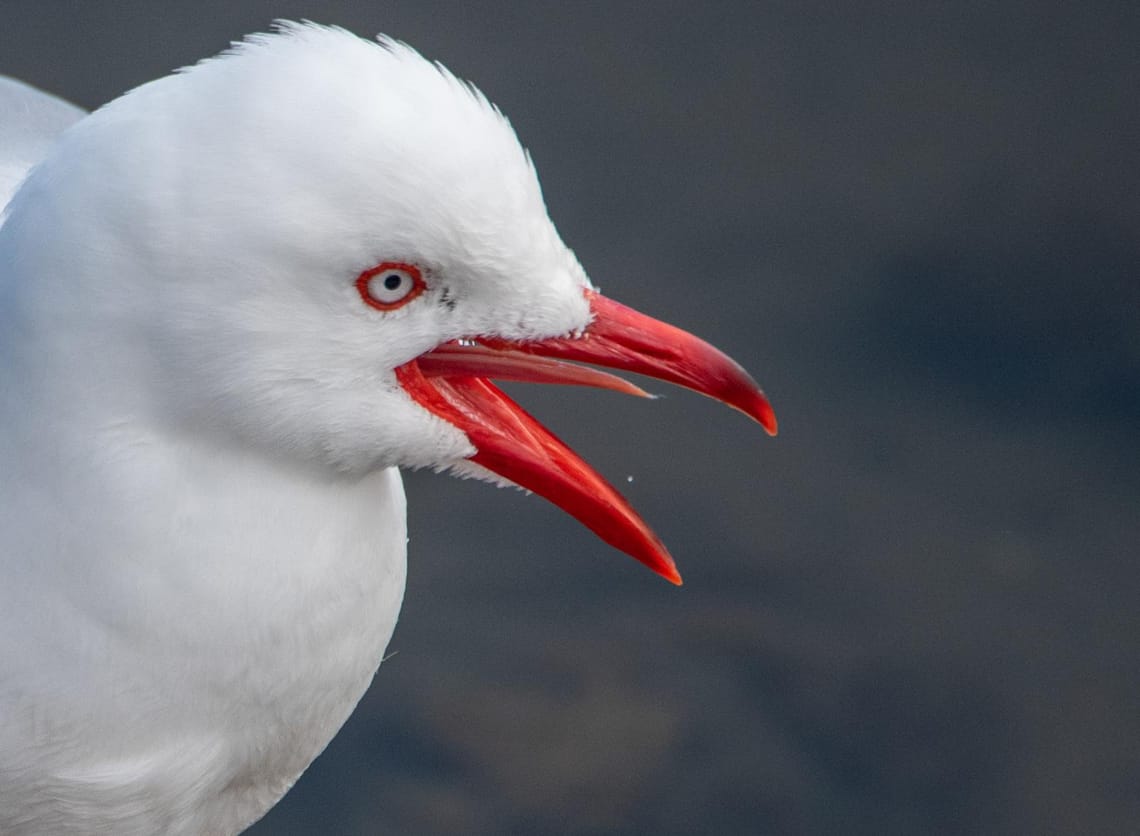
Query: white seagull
x=233 y=302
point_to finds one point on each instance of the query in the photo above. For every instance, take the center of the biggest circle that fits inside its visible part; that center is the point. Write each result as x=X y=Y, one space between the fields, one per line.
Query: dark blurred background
x=916 y=611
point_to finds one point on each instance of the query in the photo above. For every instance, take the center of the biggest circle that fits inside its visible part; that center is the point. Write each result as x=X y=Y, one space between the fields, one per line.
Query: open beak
x=452 y=382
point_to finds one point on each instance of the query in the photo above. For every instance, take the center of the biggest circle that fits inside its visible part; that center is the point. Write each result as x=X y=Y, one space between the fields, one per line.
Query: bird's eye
x=390 y=285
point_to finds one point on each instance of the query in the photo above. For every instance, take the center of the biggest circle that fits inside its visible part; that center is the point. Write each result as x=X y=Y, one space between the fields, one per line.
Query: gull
x=234 y=302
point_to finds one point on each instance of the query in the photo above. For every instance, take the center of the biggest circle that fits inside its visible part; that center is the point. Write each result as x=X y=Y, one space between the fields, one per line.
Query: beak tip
x=759 y=410
x=669 y=572
x=656 y=557
x=768 y=422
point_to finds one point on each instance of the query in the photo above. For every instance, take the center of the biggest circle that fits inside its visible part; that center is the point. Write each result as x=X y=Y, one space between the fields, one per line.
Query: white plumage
x=202 y=531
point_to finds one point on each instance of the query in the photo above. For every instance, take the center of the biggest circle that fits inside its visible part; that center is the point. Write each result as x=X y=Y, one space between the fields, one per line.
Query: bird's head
x=328 y=247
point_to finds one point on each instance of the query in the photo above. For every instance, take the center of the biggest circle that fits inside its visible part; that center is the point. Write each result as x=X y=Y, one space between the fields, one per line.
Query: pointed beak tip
x=668 y=571
x=658 y=560
x=755 y=405
x=768 y=421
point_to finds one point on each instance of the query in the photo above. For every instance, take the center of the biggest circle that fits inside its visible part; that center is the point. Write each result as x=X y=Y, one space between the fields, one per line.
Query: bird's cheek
x=363 y=434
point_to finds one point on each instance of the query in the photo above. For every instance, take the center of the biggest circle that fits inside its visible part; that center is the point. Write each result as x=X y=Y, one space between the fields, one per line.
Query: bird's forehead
x=372 y=126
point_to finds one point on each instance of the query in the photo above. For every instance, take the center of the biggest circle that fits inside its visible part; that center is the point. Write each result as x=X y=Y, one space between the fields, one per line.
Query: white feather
x=202 y=539
x=31 y=122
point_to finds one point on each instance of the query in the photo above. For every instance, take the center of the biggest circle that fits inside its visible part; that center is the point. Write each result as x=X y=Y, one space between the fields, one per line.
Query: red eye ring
x=390 y=285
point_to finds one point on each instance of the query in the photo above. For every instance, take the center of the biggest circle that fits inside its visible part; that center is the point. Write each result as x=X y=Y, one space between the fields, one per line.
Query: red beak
x=451 y=382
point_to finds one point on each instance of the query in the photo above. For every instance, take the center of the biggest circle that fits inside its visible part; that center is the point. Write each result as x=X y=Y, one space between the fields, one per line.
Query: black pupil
x=393 y=281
